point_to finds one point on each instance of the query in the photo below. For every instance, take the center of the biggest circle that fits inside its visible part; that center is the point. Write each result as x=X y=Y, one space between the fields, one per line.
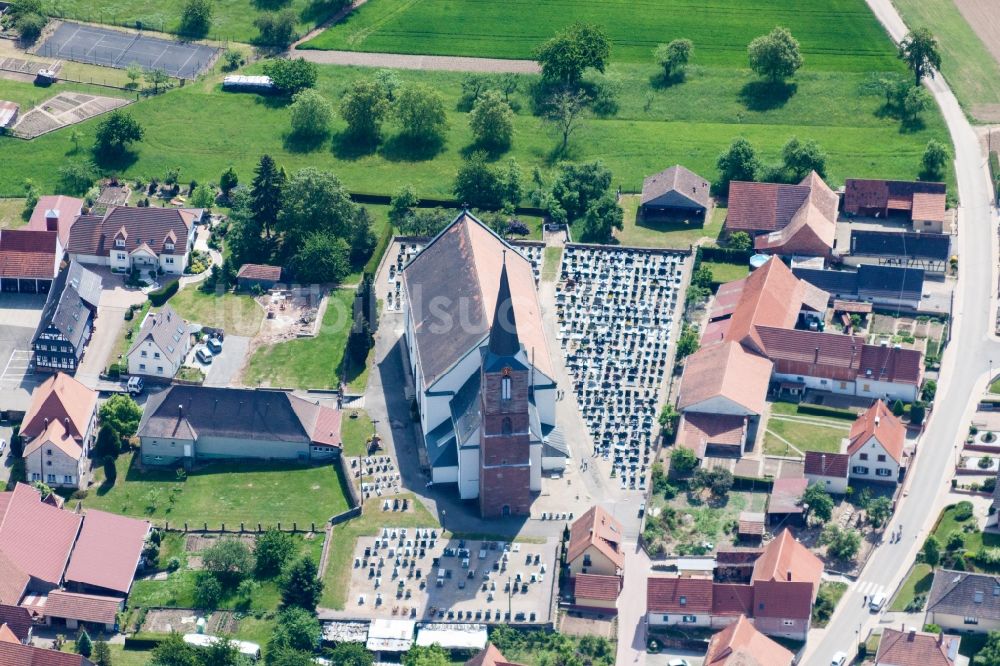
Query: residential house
x=928 y=250
x=785 y=219
x=67 y=320
x=16 y=654
x=961 y=601
x=29 y=260
x=909 y=647
x=921 y=203
x=740 y=644
x=595 y=544
x=188 y=424
x=144 y=239
x=18 y=621
x=107 y=553
x=883 y=286
x=55 y=213
x=675 y=600
x=58 y=430
x=261 y=276
x=42 y=554
x=594 y=592
x=875 y=445
x=785 y=580
x=831 y=470
x=161 y=345
x=89 y=610
x=675 y=190
x=454 y=289
x=490 y=656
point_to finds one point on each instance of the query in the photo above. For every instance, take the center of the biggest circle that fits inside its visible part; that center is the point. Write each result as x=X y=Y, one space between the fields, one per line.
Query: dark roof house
x=675 y=188
x=918 y=200
x=909 y=647
x=901 y=245
x=963 y=594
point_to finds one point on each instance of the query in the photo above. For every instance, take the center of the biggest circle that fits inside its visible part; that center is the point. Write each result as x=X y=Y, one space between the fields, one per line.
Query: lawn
x=726 y=272
x=674 y=234
x=965 y=62
x=831 y=592
x=343 y=537
x=225 y=492
x=236 y=314
x=917 y=583
x=551 y=263
x=10 y=213
x=995 y=387
x=127 y=334
x=205 y=130
x=973 y=537
x=820 y=435
x=720 y=29
x=309 y=362
x=232 y=20
x=354 y=432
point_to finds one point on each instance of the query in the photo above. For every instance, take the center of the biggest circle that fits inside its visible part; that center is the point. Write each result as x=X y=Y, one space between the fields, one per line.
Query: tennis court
x=113 y=48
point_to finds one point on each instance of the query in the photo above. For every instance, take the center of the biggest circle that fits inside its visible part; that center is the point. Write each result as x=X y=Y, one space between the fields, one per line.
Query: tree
x=740 y=240
x=492 y=121
x=296 y=628
x=718 y=479
x=84 y=646
x=421 y=115
x=578 y=186
x=173 y=651
x=276 y=28
x=918 y=411
x=818 y=501
x=989 y=654
x=232 y=59
x=28 y=18
x=229 y=559
x=673 y=57
x=203 y=196
x=682 y=461
x=351 y=654
x=801 y=158
x=362 y=237
x=110 y=471
x=321 y=258
x=266 y=193
x=77 y=176
x=738 y=162
x=916 y=101
x=134 y=73
x=196 y=18
x=291 y=76
x=207 y=591
x=363 y=107
x=898 y=409
x=668 y=418
x=301 y=587
x=879 y=510
x=122 y=414
x=389 y=82
x=156 y=79
x=564 y=58
x=311 y=115
x=101 y=655
x=934 y=161
x=482 y=185
x=116 y=131
x=775 y=56
x=404 y=200
x=919 y=50
x=688 y=342
x=274 y=549
x=282 y=656
x=842 y=544
x=314 y=201
x=228 y=181
x=601 y=218
x=565 y=111
x=931 y=551
x=432 y=655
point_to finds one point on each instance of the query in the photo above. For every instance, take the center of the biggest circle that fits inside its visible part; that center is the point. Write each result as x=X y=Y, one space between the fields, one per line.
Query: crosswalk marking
x=870 y=588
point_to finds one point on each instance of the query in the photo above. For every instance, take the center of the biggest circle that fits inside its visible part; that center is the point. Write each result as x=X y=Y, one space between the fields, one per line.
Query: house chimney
x=816 y=359
x=912 y=635
x=940 y=638
x=877 y=420
x=789 y=575
x=52 y=220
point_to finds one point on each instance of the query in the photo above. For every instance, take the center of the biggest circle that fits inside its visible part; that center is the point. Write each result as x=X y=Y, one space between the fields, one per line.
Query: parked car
x=839 y=659
x=134 y=385
x=204 y=355
x=678 y=662
x=876 y=602
x=215 y=345
x=642 y=509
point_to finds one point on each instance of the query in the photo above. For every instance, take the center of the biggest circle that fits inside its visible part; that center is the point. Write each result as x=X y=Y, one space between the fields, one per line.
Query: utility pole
x=510 y=592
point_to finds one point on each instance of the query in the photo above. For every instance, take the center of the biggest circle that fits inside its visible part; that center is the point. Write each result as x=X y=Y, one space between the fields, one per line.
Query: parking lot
x=413 y=573
x=225 y=365
x=19 y=316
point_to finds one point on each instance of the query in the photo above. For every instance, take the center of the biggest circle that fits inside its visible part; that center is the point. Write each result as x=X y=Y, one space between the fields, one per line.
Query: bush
x=231 y=59
x=963 y=511
x=682 y=461
x=276 y=28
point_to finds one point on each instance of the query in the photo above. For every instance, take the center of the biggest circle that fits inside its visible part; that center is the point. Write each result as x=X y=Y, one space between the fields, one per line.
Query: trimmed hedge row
x=163 y=294
x=827 y=412
x=995 y=173
x=383 y=244
x=144 y=641
x=724 y=255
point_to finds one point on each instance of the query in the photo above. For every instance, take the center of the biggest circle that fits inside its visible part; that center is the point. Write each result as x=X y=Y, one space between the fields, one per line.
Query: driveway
x=632 y=607
x=19 y=317
x=96 y=355
x=226 y=366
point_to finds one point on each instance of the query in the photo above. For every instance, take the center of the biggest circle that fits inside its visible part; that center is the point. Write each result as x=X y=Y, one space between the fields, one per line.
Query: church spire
x=503 y=332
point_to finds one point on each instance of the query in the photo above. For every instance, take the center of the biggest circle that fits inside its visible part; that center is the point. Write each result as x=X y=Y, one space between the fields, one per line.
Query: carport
x=23 y=285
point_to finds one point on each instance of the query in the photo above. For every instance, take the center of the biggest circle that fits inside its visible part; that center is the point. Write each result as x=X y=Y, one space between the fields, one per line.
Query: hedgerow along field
x=836 y=35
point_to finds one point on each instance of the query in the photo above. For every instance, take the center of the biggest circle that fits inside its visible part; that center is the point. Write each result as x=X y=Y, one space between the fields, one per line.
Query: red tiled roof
x=260 y=272
x=68 y=209
x=37 y=537
x=490 y=656
x=928 y=207
x=896 y=195
x=891 y=364
x=732 y=599
x=107 y=551
x=15 y=654
x=830 y=350
x=915 y=648
x=785 y=495
x=671 y=594
x=599 y=588
x=82 y=607
x=17 y=619
x=25 y=253
x=879 y=422
x=758 y=207
x=696 y=431
x=833 y=465
x=771 y=296
x=786 y=559
x=599 y=529
x=60 y=397
x=56 y=435
x=142 y=226
x=13 y=580
x=787 y=600
x=726 y=370
x=750 y=523
x=812 y=228
x=740 y=644
x=327 y=427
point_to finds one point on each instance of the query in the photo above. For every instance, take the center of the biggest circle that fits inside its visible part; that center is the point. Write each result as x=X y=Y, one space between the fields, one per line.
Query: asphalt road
x=965 y=370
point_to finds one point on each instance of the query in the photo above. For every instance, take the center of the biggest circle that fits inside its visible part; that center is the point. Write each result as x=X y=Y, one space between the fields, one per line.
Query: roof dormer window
x=119 y=242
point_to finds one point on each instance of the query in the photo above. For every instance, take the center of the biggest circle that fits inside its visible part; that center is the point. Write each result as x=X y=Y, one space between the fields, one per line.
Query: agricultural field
x=206 y=130
x=720 y=29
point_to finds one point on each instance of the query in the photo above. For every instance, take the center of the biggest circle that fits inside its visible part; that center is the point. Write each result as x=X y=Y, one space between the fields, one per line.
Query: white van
x=877 y=602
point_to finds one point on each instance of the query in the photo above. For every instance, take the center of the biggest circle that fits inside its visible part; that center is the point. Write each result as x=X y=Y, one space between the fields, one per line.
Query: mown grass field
x=968 y=66
x=672 y=233
x=205 y=130
x=237 y=314
x=720 y=29
x=10 y=213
